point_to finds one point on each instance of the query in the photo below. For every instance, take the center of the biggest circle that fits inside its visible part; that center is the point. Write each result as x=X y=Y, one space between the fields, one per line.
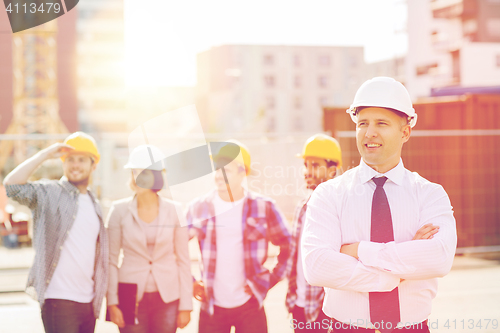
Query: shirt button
x=60 y=247
x=54 y=264
x=48 y=281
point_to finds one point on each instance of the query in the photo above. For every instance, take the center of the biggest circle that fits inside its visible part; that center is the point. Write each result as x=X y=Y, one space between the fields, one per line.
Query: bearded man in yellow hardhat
x=70 y=271
x=322 y=160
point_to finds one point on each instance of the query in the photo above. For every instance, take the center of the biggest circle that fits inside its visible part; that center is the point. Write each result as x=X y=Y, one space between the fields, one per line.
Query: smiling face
x=380 y=135
x=77 y=168
x=235 y=174
x=316 y=171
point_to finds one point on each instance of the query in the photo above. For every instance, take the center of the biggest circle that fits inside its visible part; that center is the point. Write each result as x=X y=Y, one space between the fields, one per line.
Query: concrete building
x=101 y=82
x=452 y=43
x=143 y=104
x=394 y=68
x=277 y=89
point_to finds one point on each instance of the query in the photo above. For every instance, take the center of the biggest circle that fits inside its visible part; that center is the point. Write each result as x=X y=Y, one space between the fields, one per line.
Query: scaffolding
x=35 y=103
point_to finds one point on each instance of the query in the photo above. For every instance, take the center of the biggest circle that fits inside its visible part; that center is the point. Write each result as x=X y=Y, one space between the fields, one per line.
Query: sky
x=163 y=37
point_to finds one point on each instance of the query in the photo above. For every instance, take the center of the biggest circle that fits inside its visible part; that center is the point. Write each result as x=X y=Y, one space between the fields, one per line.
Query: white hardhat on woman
x=145 y=157
x=383 y=92
x=149 y=160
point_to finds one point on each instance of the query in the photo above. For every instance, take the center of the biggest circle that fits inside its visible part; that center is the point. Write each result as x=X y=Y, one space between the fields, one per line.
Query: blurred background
x=269 y=74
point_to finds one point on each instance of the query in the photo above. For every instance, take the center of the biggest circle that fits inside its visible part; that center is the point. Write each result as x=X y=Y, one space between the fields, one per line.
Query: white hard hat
x=145 y=157
x=383 y=92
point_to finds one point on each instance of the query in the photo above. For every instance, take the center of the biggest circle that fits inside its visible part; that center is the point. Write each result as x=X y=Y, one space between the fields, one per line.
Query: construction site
x=43 y=100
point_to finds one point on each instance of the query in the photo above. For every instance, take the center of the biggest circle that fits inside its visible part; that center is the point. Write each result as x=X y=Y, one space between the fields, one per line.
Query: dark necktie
x=384 y=306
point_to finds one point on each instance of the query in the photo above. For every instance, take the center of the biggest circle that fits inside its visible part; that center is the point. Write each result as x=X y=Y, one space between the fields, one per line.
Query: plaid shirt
x=262 y=222
x=54 y=205
x=314 y=295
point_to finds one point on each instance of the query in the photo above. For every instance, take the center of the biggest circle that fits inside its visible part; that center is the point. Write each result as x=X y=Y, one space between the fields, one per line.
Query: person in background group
x=155 y=251
x=322 y=159
x=378 y=236
x=233 y=228
x=70 y=271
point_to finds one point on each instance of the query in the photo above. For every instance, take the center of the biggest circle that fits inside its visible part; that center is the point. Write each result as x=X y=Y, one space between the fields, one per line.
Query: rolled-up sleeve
x=26 y=194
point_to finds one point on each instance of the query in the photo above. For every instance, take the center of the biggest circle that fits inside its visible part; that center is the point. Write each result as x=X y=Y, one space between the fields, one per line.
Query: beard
x=79 y=180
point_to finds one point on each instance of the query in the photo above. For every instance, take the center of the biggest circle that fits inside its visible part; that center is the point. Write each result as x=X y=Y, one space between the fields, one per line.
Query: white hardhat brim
x=383 y=92
x=140 y=158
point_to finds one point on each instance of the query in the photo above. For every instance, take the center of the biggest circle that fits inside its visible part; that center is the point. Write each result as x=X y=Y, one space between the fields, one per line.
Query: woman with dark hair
x=155 y=252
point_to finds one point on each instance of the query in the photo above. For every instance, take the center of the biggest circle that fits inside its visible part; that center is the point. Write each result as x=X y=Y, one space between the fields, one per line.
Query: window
x=322 y=81
x=297 y=103
x=297 y=82
x=268 y=59
x=498 y=60
x=271 y=124
x=270 y=102
x=426 y=69
x=324 y=60
x=493 y=27
x=323 y=101
x=296 y=60
x=469 y=27
x=269 y=81
x=297 y=123
x=353 y=62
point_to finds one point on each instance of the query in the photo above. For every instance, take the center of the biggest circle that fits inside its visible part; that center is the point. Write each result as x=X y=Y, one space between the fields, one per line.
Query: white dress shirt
x=339 y=212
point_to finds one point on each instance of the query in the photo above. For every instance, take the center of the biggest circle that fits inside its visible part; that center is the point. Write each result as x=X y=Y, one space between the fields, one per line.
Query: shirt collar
x=395 y=175
x=70 y=187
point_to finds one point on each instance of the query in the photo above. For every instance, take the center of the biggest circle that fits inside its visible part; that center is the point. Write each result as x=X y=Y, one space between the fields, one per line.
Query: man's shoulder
x=254 y=196
x=423 y=187
x=415 y=179
x=43 y=184
x=202 y=200
x=344 y=180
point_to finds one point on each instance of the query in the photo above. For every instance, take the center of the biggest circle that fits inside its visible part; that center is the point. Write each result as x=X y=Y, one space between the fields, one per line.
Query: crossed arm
x=369 y=266
x=425 y=232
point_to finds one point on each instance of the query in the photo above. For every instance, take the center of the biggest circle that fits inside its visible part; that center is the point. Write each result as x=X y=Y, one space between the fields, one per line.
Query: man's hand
x=183 y=318
x=248 y=290
x=426 y=232
x=56 y=150
x=22 y=172
x=116 y=315
x=350 y=250
x=199 y=291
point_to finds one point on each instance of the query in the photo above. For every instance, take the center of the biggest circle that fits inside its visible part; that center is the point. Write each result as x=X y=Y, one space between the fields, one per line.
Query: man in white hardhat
x=378 y=236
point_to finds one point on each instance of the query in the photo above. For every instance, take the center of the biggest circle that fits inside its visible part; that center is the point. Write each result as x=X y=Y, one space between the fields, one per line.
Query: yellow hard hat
x=322 y=146
x=83 y=143
x=227 y=151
